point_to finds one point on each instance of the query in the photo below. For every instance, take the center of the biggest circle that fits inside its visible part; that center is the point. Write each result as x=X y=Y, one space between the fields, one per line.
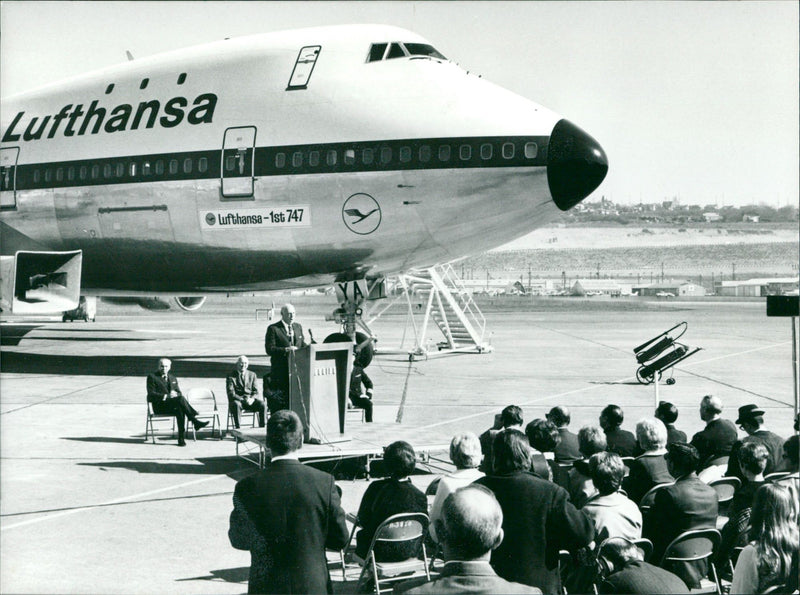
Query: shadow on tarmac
x=230 y=466
x=228 y=575
x=109 y=439
x=117 y=365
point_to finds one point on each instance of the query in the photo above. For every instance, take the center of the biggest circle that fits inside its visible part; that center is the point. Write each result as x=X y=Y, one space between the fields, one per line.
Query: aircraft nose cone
x=576 y=164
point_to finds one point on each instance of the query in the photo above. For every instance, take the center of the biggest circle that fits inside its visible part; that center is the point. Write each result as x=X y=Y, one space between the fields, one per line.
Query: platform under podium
x=319 y=381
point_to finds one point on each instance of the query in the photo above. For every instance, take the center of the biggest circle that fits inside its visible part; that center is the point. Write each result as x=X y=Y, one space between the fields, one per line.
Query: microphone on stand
x=311 y=336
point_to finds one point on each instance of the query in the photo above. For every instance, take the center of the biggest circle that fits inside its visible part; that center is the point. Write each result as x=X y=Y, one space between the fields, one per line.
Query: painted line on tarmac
x=110 y=502
x=61 y=396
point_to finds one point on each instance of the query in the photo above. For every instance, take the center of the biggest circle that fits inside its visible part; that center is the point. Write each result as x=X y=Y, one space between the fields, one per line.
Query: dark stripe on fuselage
x=406 y=154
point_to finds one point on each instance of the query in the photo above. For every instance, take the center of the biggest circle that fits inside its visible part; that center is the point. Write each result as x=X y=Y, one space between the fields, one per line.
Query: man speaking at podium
x=283 y=338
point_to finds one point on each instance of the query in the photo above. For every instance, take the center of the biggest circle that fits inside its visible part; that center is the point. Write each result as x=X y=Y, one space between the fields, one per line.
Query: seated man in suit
x=715 y=441
x=361 y=400
x=165 y=395
x=568 y=450
x=751 y=420
x=687 y=504
x=470 y=528
x=619 y=441
x=283 y=338
x=242 y=388
x=650 y=468
x=668 y=414
x=621 y=569
x=591 y=440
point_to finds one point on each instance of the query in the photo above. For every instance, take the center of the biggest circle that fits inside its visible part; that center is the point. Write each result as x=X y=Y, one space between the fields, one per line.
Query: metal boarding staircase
x=450 y=306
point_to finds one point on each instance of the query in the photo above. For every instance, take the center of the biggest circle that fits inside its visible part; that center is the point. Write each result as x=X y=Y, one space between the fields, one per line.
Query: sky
x=690 y=100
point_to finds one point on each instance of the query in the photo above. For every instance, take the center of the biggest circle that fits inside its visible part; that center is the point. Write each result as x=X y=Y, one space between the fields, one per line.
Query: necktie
x=291 y=335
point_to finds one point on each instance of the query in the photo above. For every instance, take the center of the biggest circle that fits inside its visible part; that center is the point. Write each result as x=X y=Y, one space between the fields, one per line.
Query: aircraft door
x=8 y=177
x=238 y=157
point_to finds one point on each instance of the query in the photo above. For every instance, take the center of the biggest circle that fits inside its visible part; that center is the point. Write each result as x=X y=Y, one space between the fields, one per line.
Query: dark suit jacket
x=687 y=504
x=240 y=388
x=465 y=577
x=645 y=472
x=715 y=440
x=644 y=578
x=622 y=442
x=275 y=343
x=674 y=434
x=157 y=387
x=287 y=515
x=773 y=444
x=567 y=450
x=538 y=520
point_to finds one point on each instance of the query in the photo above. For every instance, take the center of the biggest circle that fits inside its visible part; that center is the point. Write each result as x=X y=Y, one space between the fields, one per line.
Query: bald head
x=471 y=524
x=710 y=407
x=287 y=313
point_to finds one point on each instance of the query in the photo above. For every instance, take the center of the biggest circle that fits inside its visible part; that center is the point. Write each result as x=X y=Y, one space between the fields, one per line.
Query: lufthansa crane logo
x=361 y=214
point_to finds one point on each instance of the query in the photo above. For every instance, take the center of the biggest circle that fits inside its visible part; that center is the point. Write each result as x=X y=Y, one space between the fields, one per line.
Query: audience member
x=622 y=569
x=649 y=468
x=282 y=339
x=591 y=440
x=567 y=450
x=287 y=515
x=543 y=438
x=771 y=557
x=619 y=441
x=486 y=439
x=164 y=394
x=751 y=420
x=668 y=414
x=790 y=457
x=242 y=388
x=716 y=440
x=362 y=400
x=470 y=528
x=687 y=504
x=510 y=418
x=613 y=513
x=752 y=462
x=465 y=452
x=387 y=497
x=538 y=518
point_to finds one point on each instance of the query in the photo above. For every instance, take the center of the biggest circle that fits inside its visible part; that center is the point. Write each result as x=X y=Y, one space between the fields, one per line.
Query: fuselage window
x=107 y=170
x=297 y=159
x=202 y=165
x=313 y=158
x=120 y=170
x=159 y=167
x=82 y=172
x=187 y=165
x=349 y=156
x=280 y=160
x=486 y=151
x=330 y=158
x=230 y=162
x=367 y=156
x=36 y=176
x=423 y=49
x=376 y=52
x=444 y=153
x=132 y=171
x=146 y=168
x=425 y=153
x=405 y=154
x=465 y=152
x=59 y=175
x=396 y=51
x=531 y=149
x=95 y=172
x=48 y=174
x=386 y=154
x=71 y=173
x=508 y=150
x=173 y=166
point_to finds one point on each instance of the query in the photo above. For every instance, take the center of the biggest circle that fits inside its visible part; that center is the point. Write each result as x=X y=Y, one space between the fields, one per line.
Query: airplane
x=277 y=161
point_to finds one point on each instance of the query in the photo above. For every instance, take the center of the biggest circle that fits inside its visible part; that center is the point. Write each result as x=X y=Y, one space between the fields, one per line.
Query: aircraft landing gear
x=351 y=295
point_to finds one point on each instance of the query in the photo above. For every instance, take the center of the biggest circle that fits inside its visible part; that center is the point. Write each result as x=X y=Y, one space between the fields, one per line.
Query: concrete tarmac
x=89 y=507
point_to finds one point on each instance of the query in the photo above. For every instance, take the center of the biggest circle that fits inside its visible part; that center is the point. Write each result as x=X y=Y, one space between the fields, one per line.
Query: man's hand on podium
x=291 y=348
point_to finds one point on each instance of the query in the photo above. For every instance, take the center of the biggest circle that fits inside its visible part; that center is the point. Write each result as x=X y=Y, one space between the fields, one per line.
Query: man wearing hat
x=751 y=420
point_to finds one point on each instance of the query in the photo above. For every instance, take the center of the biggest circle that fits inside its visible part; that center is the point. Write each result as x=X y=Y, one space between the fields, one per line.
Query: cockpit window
x=378 y=51
x=423 y=49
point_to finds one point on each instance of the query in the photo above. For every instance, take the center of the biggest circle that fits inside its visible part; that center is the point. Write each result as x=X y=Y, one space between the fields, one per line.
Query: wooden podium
x=319 y=382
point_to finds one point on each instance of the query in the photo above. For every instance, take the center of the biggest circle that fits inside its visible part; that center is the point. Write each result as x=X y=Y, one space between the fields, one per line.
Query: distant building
x=678 y=288
x=750 y=218
x=712 y=217
x=609 y=287
x=757 y=287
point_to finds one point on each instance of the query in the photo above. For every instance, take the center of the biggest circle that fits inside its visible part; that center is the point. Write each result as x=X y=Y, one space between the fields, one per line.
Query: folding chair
x=204 y=401
x=696 y=544
x=725 y=487
x=354 y=413
x=242 y=419
x=397 y=529
x=650 y=497
x=561 y=474
x=645 y=546
x=776 y=476
x=151 y=417
x=627 y=462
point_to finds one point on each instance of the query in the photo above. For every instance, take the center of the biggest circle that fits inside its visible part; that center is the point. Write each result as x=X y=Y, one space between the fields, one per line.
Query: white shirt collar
x=289 y=455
